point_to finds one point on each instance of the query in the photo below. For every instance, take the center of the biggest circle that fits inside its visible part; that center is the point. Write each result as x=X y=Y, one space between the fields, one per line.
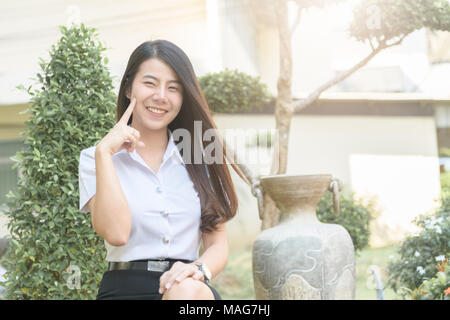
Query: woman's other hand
x=178 y=273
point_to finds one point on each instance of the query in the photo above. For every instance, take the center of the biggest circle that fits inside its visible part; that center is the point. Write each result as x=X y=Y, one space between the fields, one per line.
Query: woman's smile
x=156 y=112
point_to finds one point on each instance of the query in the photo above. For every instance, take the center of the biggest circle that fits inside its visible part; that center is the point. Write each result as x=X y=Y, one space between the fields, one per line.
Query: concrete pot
x=302 y=258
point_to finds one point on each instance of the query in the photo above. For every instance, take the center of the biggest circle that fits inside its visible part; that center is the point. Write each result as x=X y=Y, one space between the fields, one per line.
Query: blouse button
x=166 y=240
x=165 y=214
x=158 y=189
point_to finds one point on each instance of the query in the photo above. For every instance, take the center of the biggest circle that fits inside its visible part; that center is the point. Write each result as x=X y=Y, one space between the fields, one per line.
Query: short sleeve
x=86 y=177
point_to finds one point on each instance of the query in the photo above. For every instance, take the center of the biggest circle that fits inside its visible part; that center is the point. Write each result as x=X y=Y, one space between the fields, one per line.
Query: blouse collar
x=171 y=151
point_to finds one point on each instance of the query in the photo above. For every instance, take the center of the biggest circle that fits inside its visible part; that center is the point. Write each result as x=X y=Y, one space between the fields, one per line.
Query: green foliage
x=445 y=184
x=444 y=152
x=233 y=91
x=383 y=20
x=235 y=282
x=50 y=238
x=419 y=254
x=436 y=288
x=354 y=217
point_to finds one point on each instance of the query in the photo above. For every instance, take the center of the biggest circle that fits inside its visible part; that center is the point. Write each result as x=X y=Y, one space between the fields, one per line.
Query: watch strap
x=201 y=266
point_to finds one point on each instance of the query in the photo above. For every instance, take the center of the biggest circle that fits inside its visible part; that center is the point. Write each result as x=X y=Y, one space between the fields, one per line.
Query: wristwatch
x=203 y=268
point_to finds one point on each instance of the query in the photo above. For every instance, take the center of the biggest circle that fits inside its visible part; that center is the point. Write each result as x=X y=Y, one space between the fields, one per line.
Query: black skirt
x=133 y=285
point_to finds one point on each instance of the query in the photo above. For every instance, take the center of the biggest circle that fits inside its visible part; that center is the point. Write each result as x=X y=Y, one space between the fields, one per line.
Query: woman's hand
x=121 y=135
x=178 y=273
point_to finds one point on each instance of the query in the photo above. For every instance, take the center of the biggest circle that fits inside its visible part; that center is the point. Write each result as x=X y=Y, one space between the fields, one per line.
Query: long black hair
x=217 y=195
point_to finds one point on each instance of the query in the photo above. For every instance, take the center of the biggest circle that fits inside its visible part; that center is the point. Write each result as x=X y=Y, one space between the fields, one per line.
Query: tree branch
x=371 y=44
x=316 y=93
x=297 y=20
x=399 y=41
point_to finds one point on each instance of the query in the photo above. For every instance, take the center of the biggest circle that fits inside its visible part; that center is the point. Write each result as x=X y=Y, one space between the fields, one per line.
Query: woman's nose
x=161 y=96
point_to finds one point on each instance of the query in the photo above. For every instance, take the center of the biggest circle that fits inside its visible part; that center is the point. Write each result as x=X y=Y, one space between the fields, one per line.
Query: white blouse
x=165 y=207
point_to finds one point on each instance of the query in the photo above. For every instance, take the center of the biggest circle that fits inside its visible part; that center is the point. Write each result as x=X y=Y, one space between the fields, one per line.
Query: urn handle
x=335 y=187
x=257 y=192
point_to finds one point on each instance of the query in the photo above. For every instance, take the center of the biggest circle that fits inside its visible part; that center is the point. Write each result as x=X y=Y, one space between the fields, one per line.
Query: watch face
x=203 y=268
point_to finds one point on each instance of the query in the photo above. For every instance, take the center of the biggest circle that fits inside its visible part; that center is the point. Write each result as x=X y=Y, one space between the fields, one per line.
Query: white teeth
x=155 y=110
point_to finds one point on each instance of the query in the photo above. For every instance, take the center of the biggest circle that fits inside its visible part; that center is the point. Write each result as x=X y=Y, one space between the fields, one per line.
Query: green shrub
x=232 y=91
x=419 y=254
x=354 y=217
x=52 y=243
x=444 y=152
x=436 y=288
x=445 y=184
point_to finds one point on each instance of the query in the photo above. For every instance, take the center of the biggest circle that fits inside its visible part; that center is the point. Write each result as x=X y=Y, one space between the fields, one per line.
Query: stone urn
x=302 y=258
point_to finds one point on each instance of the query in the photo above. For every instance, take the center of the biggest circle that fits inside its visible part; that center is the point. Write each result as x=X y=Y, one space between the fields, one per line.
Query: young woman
x=153 y=203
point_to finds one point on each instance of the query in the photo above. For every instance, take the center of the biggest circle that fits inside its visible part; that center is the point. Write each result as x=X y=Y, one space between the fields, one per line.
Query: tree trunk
x=283 y=109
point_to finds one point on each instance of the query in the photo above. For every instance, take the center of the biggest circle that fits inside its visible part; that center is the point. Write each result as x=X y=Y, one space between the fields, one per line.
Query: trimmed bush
x=419 y=254
x=232 y=91
x=354 y=217
x=54 y=252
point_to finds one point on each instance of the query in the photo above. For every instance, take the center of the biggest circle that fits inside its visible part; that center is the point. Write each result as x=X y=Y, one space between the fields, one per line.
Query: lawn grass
x=379 y=259
x=235 y=282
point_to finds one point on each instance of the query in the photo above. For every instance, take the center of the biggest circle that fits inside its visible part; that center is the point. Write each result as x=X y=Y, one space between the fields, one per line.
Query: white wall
x=442 y=116
x=238 y=38
x=29 y=28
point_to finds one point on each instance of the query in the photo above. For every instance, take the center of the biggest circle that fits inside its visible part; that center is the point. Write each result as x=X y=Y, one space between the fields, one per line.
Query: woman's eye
x=150 y=83
x=173 y=88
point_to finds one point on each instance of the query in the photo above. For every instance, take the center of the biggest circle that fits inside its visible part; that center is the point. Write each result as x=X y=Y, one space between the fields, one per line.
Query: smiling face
x=159 y=95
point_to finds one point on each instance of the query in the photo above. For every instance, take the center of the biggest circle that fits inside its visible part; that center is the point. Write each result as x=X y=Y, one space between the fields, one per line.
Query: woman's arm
x=111 y=217
x=215 y=255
